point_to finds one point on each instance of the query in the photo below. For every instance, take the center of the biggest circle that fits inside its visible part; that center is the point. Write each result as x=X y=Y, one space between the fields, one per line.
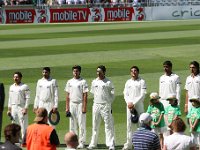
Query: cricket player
x=134 y=94
x=103 y=91
x=76 y=104
x=46 y=92
x=192 y=85
x=169 y=83
x=18 y=102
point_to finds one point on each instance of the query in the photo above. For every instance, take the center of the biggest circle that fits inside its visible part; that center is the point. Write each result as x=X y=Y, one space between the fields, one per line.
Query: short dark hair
x=167 y=63
x=135 y=67
x=178 y=125
x=77 y=67
x=103 y=68
x=47 y=69
x=196 y=64
x=11 y=130
x=18 y=73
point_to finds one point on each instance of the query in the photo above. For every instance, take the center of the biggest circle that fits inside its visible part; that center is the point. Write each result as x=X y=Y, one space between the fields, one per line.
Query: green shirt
x=156 y=110
x=171 y=112
x=193 y=115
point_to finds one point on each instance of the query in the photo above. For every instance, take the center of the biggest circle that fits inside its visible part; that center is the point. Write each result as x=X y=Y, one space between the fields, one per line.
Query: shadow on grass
x=99 y=146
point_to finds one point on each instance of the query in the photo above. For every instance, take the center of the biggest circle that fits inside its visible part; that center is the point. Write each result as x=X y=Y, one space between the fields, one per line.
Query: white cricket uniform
x=134 y=91
x=169 y=85
x=76 y=88
x=19 y=98
x=103 y=91
x=192 y=86
x=46 y=94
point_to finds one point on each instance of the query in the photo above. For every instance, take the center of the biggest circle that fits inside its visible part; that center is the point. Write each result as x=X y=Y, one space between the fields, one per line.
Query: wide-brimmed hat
x=171 y=97
x=154 y=96
x=41 y=113
x=195 y=98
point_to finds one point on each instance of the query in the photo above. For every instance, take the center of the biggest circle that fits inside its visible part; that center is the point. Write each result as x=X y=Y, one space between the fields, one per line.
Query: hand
x=9 y=113
x=54 y=110
x=68 y=114
x=24 y=111
x=130 y=105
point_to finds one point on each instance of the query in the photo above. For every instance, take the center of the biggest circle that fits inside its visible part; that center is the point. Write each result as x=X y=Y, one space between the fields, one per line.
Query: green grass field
x=118 y=46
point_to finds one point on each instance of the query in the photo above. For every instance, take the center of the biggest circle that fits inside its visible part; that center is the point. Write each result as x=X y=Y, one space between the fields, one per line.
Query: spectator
x=169 y=83
x=40 y=136
x=192 y=85
x=76 y=104
x=178 y=140
x=18 y=102
x=103 y=91
x=134 y=94
x=12 y=136
x=194 y=119
x=2 y=100
x=156 y=109
x=172 y=111
x=144 y=138
x=71 y=141
x=46 y=92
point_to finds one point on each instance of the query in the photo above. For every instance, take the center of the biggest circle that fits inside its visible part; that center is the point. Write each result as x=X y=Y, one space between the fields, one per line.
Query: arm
x=178 y=90
x=84 y=106
x=27 y=99
x=112 y=91
x=186 y=102
x=194 y=124
x=156 y=123
x=67 y=102
x=55 y=88
x=36 y=102
x=54 y=140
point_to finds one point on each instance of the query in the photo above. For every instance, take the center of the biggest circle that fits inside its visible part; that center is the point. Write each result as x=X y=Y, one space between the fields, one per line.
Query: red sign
x=20 y=15
x=118 y=14
x=69 y=15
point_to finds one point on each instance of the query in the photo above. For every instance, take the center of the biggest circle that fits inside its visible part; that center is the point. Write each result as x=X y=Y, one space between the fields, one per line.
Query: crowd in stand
x=160 y=126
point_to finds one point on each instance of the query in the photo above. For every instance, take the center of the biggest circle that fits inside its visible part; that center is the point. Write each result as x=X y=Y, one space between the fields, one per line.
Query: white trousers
x=140 y=109
x=102 y=111
x=19 y=118
x=48 y=106
x=78 y=120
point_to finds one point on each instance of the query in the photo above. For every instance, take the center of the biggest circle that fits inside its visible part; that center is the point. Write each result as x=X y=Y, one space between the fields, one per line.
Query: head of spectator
x=71 y=140
x=46 y=72
x=194 y=68
x=101 y=71
x=41 y=116
x=76 y=71
x=172 y=100
x=167 y=66
x=134 y=70
x=178 y=125
x=154 y=98
x=195 y=100
x=12 y=133
x=145 y=119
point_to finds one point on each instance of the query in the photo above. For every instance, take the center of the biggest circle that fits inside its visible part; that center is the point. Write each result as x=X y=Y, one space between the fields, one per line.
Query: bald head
x=71 y=140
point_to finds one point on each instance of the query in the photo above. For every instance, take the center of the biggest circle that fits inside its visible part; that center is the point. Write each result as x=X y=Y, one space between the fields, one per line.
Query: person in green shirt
x=156 y=110
x=194 y=119
x=172 y=111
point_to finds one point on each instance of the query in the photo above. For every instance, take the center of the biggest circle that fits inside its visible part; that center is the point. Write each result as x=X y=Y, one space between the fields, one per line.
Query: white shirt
x=192 y=85
x=103 y=91
x=46 y=91
x=169 y=85
x=178 y=141
x=76 y=88
x=19 y=95
x=135 y=90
